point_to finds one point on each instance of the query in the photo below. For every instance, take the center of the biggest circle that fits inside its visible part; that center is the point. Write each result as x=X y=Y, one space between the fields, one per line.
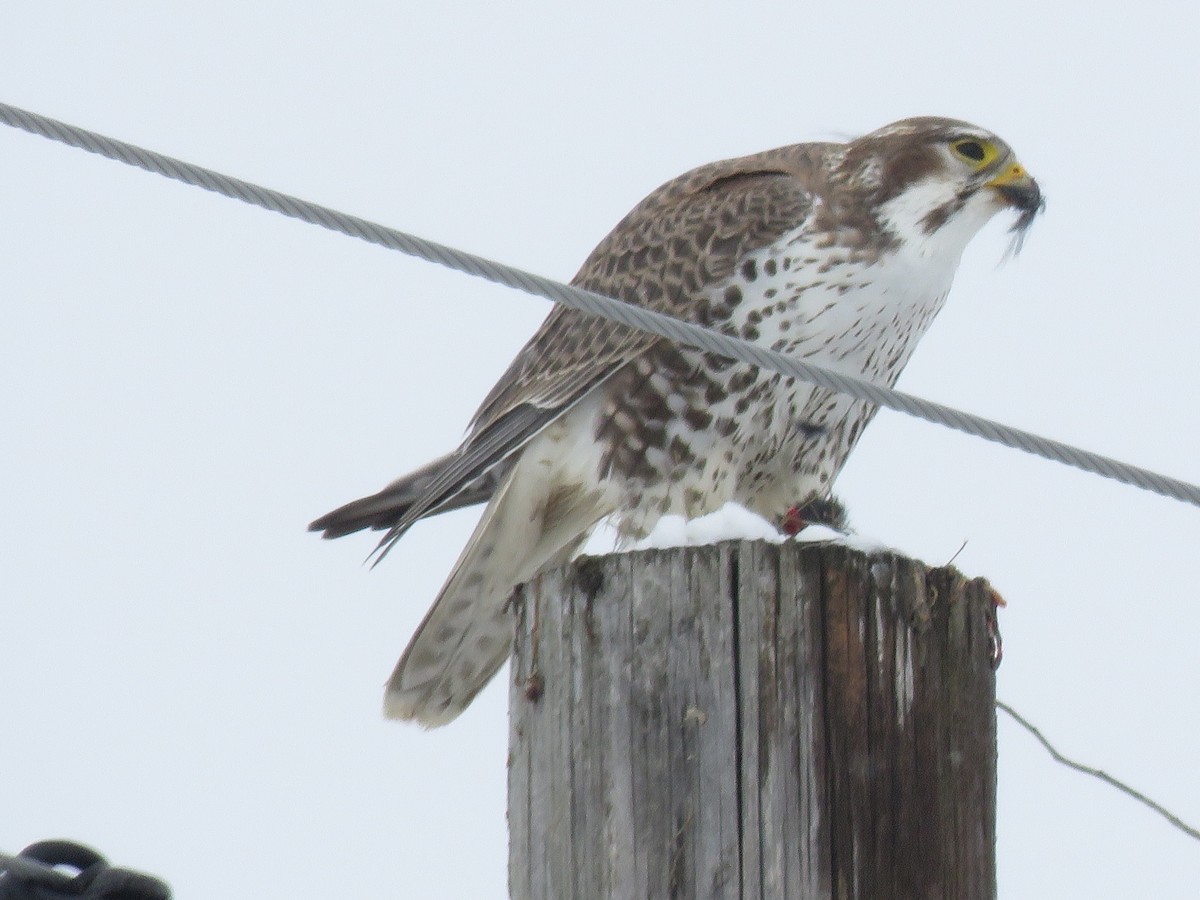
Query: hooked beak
x=1018 y=189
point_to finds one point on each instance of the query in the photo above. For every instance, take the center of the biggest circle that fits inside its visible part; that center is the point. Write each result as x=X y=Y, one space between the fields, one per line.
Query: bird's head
x=940 y=178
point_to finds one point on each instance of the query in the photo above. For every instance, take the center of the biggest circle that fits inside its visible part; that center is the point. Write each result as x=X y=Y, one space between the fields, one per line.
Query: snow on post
x=753 y=720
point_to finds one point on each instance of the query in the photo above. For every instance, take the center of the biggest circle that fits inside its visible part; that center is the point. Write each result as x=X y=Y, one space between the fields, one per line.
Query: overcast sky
x=192 y=683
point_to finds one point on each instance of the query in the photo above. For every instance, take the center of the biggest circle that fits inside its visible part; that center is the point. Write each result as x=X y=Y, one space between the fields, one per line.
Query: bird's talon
x=793 y=522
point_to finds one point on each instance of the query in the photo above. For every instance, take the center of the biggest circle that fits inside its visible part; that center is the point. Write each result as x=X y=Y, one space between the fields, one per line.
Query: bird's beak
x=1018 y=189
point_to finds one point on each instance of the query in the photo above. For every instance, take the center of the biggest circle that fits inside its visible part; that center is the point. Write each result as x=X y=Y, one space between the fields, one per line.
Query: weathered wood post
x=749 y=720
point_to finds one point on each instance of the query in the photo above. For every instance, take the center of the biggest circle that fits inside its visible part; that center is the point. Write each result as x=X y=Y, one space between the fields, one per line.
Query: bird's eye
x=970 y=149
x=978 y=153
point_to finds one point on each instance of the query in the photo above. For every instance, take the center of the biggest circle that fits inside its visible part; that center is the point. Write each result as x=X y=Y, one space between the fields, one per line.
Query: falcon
x=838 y=253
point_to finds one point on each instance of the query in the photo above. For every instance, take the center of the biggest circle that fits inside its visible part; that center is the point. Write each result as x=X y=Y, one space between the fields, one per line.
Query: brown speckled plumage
x=838 y=253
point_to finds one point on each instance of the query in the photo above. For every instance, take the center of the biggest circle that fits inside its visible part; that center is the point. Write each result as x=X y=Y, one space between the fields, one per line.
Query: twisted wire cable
x=598 y=305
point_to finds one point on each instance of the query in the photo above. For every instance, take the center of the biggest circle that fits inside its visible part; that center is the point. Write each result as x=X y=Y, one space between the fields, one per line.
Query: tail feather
x=383 y=510
x=467 y=634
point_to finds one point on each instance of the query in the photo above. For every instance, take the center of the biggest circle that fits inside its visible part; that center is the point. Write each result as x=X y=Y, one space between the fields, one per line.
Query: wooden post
x=754 y=721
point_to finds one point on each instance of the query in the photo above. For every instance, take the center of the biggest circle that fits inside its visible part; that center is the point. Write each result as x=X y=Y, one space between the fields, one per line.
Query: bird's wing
x=684 y=238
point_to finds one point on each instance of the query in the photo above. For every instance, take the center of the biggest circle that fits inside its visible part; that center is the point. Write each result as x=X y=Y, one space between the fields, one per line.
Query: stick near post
x=753 y=721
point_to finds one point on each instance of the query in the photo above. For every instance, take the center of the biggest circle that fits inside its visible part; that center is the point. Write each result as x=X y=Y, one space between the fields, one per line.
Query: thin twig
x=1096 y=773
x=951 y=560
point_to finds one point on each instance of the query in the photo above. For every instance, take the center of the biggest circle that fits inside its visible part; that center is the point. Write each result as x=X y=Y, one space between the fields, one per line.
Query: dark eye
x=972 y=150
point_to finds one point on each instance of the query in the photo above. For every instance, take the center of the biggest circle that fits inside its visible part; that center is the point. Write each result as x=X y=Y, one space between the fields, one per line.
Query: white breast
x=853 y=310
x=824 y=298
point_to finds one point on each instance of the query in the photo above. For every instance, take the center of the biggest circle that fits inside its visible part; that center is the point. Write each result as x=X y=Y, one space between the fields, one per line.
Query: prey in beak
x=1018 y=189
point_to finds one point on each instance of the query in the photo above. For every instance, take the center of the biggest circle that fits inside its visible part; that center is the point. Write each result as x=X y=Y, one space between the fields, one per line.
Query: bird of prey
x=838 y=253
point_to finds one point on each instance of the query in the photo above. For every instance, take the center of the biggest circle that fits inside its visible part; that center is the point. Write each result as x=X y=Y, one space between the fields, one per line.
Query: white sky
x=191 y=682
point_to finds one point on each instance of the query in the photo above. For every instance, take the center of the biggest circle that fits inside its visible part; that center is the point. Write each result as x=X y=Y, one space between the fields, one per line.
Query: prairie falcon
x=841 y=254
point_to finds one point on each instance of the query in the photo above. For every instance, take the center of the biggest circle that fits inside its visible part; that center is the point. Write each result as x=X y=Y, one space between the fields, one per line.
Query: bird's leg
x=827 y=511
x=793 y=521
